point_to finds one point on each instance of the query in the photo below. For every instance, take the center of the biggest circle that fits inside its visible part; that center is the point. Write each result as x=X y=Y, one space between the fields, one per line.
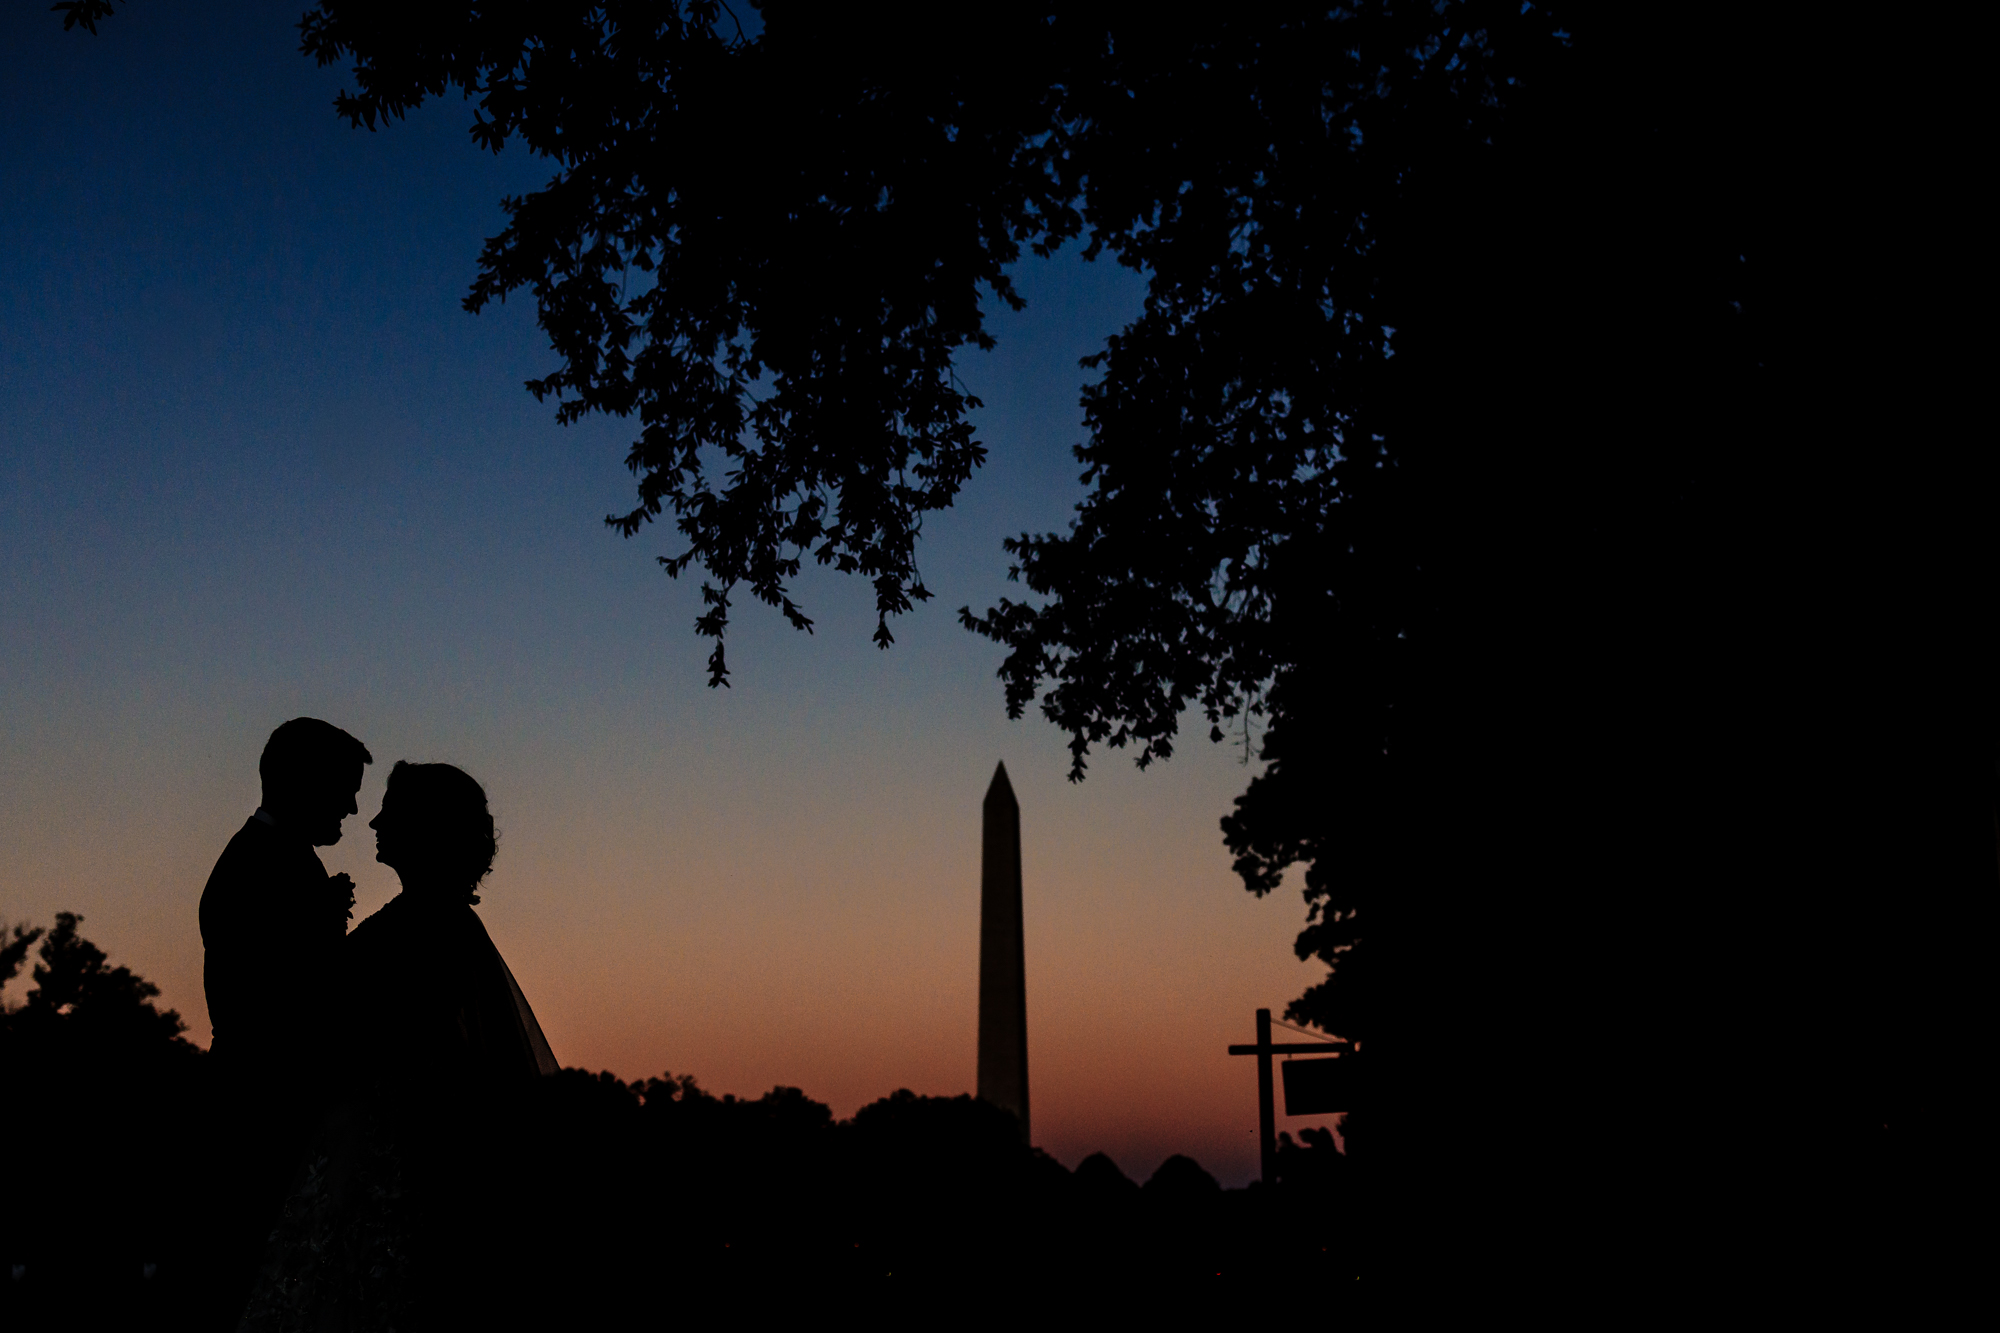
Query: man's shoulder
x=233 y=871
x=253 y=847
x=257 y=860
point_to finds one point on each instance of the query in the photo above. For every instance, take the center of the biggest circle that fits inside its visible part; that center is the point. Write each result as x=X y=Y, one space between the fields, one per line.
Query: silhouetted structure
x=1264 y=1049
x=1003 y=978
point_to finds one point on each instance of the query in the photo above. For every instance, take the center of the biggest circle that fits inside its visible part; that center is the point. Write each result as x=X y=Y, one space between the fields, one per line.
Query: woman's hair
x=456 y=830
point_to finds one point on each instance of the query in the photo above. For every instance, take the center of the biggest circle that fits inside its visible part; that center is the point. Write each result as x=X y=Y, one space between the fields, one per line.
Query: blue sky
x=255 y=461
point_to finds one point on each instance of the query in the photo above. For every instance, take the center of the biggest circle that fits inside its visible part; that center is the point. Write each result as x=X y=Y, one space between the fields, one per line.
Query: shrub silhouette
x=598 y=1199
x=102 y=1098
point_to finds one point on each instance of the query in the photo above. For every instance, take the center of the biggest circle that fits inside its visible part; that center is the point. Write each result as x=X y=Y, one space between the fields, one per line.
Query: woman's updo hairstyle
x=450 y=823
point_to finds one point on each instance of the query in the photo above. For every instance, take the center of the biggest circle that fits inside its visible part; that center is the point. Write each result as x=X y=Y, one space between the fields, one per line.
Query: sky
x=256 y=462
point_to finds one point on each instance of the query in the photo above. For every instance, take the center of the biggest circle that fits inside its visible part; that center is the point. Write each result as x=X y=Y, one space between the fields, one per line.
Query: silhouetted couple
x=367 y=1076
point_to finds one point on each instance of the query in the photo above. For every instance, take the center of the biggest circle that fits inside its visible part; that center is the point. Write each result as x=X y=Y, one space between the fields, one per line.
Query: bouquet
x=339 y=901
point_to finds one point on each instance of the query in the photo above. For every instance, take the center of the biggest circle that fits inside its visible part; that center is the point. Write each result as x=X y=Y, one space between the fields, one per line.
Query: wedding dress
x=383 y=1226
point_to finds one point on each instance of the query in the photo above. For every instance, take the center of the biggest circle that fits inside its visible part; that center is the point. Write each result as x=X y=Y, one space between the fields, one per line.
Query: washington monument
x=1003 y=980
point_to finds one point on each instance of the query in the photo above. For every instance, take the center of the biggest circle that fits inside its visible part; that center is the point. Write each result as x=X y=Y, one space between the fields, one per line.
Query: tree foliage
x=1242 y=546
x=83 y=13
x=107 y=1097
x=14 y=950
x=767 y=252
x=769 y=249
x=79 y=1000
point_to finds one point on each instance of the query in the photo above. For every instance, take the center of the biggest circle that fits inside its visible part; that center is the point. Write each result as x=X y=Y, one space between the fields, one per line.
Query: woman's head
x=434 y=830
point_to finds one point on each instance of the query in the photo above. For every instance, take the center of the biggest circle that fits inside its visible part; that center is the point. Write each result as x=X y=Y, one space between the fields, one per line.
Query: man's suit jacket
x=270 y=948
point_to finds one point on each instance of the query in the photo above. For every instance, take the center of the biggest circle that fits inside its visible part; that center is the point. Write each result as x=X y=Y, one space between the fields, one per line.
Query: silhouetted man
x=272 y=921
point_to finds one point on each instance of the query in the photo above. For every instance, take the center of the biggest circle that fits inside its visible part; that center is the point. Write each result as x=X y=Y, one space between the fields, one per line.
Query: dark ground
x=601 y=1203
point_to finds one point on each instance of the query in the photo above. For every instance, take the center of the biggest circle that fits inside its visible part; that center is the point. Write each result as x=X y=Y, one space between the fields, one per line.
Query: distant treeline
x=603 y=1200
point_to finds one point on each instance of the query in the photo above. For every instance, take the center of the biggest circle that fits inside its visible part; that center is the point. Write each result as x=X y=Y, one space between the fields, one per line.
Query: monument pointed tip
x=1000 y=785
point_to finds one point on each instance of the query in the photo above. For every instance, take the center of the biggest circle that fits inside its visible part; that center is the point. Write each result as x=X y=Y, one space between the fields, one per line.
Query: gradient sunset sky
x=256 y=462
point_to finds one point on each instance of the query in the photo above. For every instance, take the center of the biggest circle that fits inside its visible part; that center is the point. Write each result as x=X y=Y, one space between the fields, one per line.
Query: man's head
x=312 y=771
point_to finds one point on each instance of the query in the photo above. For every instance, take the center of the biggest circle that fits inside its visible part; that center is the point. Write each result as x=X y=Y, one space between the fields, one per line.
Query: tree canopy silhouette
x=79 y=1000
x=103 y=1100
x=768 y=249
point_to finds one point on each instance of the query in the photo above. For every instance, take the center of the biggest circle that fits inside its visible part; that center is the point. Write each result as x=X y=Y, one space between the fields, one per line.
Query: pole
x=1267 y=1112
x=1267 y=1117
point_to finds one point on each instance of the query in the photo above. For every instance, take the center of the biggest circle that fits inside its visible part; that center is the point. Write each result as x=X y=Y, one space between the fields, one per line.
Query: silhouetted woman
x=392 y=1215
